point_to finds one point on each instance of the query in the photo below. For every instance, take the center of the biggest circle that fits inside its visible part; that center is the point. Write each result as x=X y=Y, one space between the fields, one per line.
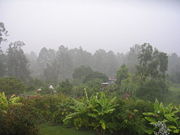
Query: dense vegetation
x=107 y=93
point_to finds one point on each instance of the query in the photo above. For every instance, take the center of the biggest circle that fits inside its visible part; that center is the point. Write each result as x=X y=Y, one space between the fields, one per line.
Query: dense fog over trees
x=60 y=64
x=62 y=72
x=57 y=65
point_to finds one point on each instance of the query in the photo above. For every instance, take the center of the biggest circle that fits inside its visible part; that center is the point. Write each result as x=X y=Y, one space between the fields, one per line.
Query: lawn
x=46 y=129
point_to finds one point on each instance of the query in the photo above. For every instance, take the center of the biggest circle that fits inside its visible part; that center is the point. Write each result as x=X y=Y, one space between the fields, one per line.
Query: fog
x=92 y=24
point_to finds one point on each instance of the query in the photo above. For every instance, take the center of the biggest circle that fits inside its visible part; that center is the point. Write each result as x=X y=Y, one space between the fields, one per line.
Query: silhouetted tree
x=3 y=32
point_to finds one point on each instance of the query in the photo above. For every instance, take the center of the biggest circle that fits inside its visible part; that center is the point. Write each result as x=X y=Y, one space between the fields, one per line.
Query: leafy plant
x=5 y=102
x=15 y=117
x=127 y=119
x=94 y=112
x=11 y=86
x=166 y=114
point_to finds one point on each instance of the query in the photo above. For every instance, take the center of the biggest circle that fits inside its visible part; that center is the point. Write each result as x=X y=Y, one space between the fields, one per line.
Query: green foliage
x=95 y=75
x=11 y=86
x=19 y=121
x=174 y=68
x=81 y=72
x=91 y=87
x=129 y=85
x=47 y=129
x=173 y=95
x=132 y=58
x=152 y=63
x=15 y=118
x=5 y=102
x=34 y=84
x=152 y=89
x=128 y=119
x=2 y=63
x=166 y=114
x=93 y=112
x=64 y=108
x=65 y=87
x=17 y=64
x=48 y=108
x=84 y=74
x=109 y=115
x=122 y=74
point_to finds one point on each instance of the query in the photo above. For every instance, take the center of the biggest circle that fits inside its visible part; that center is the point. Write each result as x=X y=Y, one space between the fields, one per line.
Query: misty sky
x=93 y=24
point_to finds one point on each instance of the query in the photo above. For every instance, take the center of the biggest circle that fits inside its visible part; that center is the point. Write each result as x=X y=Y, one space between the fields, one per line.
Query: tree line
x=58 y=65
x=51 y=65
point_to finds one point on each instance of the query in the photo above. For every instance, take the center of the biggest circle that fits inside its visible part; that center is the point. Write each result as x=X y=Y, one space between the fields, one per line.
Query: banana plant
x=5 y=102
x=93 y=112
x=164 y=114
x=101 y=111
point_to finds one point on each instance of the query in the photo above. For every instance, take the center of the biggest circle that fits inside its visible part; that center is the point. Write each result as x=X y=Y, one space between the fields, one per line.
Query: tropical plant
x=127 y=119
x=164 y=114
x=94 y=112
x=5 y=102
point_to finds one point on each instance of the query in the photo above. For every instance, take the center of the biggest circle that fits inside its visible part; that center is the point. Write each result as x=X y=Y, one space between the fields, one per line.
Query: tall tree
x=80 y=57
x=99 y=58
x=152 y=70
x=2 y=63
x=81 y=72
x=132 y=58
x=3 y=32
x=152 y=63
x=122 y=74
x=64 y=63
x=17 y=64
x=111 y=64
x=59 y=68
x=174 y=68
x=46 y=56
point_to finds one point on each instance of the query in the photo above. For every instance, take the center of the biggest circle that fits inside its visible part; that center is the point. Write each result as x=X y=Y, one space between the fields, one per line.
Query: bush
x=46 y=107
x=19 y=121
x=65 y=87
x=11 y=86
x=153 y=89
x=128 y=118
x=16 y=118
x=109 y=115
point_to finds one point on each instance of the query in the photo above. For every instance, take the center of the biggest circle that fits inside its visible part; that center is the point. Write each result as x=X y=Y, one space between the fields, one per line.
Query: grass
x=46 y=129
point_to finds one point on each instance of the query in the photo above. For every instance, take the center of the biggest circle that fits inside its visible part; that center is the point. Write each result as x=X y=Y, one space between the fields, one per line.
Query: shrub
x=153 y=89
x=46 y=107
x=11 y=86
x=109 y=115
x=15 y=118
x=128 y=118
x=19 y=121
x=65 y=87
